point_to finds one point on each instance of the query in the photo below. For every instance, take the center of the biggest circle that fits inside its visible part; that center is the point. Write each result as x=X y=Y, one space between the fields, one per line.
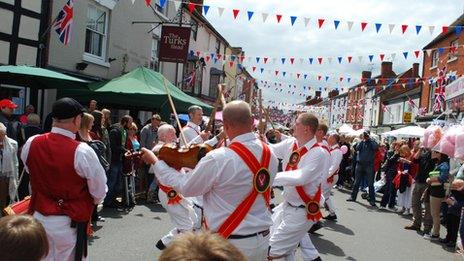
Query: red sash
x=312 y=203
x=261 y=185
x=173 y=196
x=331 y=178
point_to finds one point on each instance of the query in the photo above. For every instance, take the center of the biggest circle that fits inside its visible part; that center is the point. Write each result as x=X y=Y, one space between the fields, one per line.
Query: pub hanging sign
x=174 y=44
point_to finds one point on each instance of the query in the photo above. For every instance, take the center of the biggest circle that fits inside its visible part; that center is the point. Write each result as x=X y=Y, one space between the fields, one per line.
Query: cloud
x=283 y=40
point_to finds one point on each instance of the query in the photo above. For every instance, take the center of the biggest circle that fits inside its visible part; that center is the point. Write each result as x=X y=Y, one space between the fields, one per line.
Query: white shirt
x=86 y=164
x=336 y=157
x=192 y=132
x=312 y=168
x=224 y=180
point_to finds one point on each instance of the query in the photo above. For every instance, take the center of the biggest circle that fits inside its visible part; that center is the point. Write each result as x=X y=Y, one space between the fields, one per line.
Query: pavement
x=361 y=233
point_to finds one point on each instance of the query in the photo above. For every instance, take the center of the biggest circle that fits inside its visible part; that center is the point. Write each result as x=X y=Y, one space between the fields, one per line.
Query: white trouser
x=254 y=248
x=61 y=237
x=326 y=189
x=182 y=216
x=198 y=207
x=290 y=227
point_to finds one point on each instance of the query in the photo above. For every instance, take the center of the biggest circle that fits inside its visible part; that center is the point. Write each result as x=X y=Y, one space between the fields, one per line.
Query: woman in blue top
x=133 y=143
x=436 y=181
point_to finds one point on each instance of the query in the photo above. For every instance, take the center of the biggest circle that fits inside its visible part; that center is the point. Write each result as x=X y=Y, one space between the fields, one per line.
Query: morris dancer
x=306 y=162
x=64 y=191
x=336 y=157
x=235 y=182
x=180 y=209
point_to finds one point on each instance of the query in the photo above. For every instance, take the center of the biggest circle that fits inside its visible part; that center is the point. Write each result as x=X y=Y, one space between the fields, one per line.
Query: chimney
x=386 y=70
x=366 y=75
x=333 y=93
x=309 y=97
x=415 y=70
x=318 y=94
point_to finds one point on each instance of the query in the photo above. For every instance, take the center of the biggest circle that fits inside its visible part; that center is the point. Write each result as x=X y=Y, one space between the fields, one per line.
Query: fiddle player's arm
x=195 y=183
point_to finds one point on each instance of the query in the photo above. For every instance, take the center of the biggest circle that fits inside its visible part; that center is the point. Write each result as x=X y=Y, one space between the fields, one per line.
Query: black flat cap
x=66 y=108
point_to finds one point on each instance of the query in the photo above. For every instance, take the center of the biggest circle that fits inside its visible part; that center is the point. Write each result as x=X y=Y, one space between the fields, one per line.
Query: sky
x=279 y=40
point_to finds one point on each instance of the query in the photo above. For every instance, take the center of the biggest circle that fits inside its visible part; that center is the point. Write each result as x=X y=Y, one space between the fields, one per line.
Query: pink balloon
x=344 y=149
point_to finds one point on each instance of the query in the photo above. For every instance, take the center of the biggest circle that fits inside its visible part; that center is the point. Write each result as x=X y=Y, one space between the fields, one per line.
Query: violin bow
x=182 y=136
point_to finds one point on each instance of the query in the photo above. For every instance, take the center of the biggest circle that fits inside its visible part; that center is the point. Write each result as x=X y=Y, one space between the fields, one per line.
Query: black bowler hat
x=66 y=108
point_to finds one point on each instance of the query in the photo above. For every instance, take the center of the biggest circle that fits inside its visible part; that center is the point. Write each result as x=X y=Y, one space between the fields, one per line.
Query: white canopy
x=406 y=132
x=345 y=129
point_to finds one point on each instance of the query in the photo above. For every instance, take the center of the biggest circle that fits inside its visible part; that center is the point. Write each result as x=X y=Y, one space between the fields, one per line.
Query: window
x=96 y=32
x=453 y=53
x=154 y=64
x=435 y=58
x=213 y=83
x=194 y=29
x=217 y=47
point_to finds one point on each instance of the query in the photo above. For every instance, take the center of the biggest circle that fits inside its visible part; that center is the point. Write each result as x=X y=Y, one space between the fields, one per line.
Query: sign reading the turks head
x=174 y=44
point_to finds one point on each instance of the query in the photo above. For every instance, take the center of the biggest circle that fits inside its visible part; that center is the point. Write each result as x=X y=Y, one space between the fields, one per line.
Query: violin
x=179 y=158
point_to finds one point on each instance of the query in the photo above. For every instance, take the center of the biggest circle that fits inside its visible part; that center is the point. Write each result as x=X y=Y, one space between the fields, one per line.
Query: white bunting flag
x=330 y=60
x=274 y=60
x=177 y=5
x=350 y=25
x=360 y=58
x=393 y=55
x=265 y=15
x=133 y=1
x=220 y=11
x=391 y=27
x=431 y=29
x=306 y=21
x=429 y=52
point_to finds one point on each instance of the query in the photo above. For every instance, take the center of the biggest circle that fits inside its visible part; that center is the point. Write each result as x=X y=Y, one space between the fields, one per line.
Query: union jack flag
x=439 y=102
x=63 y=22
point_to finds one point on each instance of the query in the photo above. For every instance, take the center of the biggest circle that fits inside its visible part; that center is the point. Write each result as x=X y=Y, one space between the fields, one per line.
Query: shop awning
x=39 y=78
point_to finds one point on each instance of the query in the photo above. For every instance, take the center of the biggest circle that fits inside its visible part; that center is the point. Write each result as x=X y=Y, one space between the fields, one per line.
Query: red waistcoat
x=56 y=187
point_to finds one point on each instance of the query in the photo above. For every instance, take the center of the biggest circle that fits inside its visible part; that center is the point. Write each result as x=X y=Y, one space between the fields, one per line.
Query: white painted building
x=338 y=106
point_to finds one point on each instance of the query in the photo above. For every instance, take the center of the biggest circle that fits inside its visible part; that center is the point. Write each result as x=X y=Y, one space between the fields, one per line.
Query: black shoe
x=331 y=217
x=351 y=200
x=372 y=203
x=160 y=245
x=317 y=259
x=451 y=244
x=444 y=240
x=315 y=227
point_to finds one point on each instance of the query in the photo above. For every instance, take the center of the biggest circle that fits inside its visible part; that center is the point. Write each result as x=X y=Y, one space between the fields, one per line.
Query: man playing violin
x=180 y=209
x=235 y=182
x=305 y=162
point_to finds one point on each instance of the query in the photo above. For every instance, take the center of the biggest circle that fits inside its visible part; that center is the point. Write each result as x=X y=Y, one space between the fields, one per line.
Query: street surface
x=362 y=233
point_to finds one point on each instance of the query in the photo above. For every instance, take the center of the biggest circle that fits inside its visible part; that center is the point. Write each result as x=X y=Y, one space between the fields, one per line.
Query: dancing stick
x=182 y=136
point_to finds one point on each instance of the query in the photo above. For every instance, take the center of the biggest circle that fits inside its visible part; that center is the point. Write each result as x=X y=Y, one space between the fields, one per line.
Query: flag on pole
x=63 y=22
x=439 y=102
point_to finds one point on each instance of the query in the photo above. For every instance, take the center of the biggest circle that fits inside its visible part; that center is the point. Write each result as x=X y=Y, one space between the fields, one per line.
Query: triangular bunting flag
x=377 y=27
x=231 y=63
x=254 y=68
x=336 y=23
x=220 y=11
x=292 y=60
x=265 y=15
x=391 y=27
x=235 y=12
x=283 y=60
x=441 y=50
x=274 y=60
x=431 y=28
x=382 y=56
x=360 y=58
x=305 y=76
x=177 y=5
x=250 y=15
x=339 y=59
x=262 y=70
x=393 y=56
x=350 y=25
x=363 y=26
x=147 y=2
x=207 y=58
x=418 y=28
x=301 y=60
x=404 y=27
x=306 y=21
x=341 y=79
x=191 y=7
x=405 y=55
x=444 y=29
x=278 y=17
x=458 y=30
x=320 y=22
x=330 y=60
x=429 y=52
x=298 y=76
x=292 y=20
x=162 y=3
x=205 y=9
x=265 y=60
x=349 y=59
x=276 y=73
x=326 y=78
x=257 y=59
x=284 y=73
x=319 y=60
x=349 y=79
x=371 y=57
x=417 y=53
x=319 y=77
x=310 y=60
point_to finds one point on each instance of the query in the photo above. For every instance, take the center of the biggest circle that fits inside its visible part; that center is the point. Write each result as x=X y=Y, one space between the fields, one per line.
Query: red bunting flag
x=265 y=60
x=276 y=73
x=298 y=76
x=207 y=58
x=198 y=53
x=319 y=60
x=235 y=11
x=231 y=63
x=349 y=59
x=382 y=56
x=278 y=16
x=148 y=2
x=444 y=29
x=319 y=77
x=219 y=56
x=417 y=53
x=320 y=22
x=254 y=68
x=292 y=60
x=404 y=27
x=242 y=58
x=341 y=79
x=191 y=7
x=363 y=26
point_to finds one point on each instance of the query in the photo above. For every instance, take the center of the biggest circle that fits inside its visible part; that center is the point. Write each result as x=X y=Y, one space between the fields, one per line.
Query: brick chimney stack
x=415 y=69
x=365 y=75
x=386 y=69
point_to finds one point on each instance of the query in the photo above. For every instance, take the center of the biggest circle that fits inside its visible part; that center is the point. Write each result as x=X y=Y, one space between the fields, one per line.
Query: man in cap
x=13 y=127
x=67 y=180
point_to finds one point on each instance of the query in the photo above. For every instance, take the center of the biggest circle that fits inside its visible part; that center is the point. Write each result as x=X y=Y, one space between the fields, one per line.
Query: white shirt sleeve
x=302 y=176
x=194 y=183
x=88 y=166
x=282 y=148
x=25 y=151
x=336 y=158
